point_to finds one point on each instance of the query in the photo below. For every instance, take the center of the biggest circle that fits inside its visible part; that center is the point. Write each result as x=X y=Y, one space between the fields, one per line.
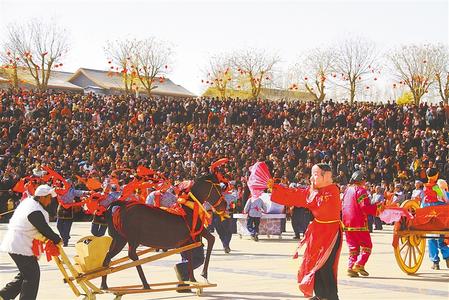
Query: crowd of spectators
x=78 y=134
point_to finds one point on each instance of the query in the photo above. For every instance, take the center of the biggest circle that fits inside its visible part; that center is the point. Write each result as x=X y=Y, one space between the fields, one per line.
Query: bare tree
x=40 y=47
x=415 y=66
x=122 y=55
x=355 y=58
x=441 y=69
x=152 y=60
x=314 y=69
x=219 y=73
x=256 y=66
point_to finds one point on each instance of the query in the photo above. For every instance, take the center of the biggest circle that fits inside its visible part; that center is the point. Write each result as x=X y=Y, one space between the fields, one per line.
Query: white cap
x=44 y=190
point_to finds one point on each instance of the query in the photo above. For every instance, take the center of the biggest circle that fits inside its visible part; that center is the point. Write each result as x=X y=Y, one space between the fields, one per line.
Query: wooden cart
x=411 y=244
x=81 y=285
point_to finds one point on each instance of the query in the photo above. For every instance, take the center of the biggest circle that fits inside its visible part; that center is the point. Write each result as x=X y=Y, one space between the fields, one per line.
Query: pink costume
x=356 y=208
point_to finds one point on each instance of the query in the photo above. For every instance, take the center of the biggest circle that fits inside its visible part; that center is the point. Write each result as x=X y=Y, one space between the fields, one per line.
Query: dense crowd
x=79 y=134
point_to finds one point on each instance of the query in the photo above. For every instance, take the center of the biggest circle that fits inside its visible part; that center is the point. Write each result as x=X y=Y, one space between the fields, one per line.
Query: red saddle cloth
x=430 y=218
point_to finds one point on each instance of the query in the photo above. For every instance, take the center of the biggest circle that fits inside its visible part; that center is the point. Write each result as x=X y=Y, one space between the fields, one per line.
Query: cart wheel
x=118 y=297
x=410 y=205
x=199 y=291
x=268 y=236
x=240 y=236
x=280 y=237
x=410 y=253
x=410 y=250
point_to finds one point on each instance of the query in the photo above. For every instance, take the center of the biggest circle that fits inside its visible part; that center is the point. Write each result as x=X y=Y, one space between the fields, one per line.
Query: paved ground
x=259 y=270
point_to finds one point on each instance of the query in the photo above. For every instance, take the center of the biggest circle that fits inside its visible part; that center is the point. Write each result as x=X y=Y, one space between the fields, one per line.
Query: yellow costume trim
x=327 y=222
x=365 y=249
x=355 y=228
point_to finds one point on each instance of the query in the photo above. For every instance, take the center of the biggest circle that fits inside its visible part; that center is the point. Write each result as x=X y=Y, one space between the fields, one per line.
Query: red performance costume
x=323 y=236
x=356 y=208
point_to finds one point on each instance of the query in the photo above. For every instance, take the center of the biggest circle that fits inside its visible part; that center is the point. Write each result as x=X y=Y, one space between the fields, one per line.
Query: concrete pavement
x=257 y=270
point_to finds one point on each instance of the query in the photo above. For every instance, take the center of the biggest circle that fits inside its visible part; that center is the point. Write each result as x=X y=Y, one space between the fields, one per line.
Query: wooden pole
x=9 y=211
x=139 y=262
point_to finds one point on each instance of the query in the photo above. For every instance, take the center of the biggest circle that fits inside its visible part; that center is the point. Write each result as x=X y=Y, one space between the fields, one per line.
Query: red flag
x=144 y=171
x=20 y=186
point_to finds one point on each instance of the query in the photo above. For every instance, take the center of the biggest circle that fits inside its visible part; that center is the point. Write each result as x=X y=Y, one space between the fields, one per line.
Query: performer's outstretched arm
x=289 y=196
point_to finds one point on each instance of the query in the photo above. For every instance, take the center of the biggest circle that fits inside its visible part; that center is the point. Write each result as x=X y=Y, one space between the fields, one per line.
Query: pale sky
x=199 y=29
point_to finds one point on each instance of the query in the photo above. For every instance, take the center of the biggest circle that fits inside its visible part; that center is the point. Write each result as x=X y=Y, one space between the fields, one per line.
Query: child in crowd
x=254 y=208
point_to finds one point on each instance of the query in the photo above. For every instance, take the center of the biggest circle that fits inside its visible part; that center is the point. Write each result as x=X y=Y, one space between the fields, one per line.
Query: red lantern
x=367 y=87
x=238 y=86
x=60 y=65
x=166 y=66
x=8 y=53
x=305 y=78
x=375 y=78
x=109 y=62
x=202 y=81
x=424 y=61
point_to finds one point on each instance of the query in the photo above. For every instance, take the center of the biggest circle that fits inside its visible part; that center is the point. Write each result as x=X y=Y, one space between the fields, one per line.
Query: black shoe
x=297 y=237
x=227 y=249
x=435 y=266
x=256 y=238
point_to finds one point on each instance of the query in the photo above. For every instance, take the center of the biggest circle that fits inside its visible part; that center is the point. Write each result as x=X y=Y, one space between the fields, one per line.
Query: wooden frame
x=81 y=281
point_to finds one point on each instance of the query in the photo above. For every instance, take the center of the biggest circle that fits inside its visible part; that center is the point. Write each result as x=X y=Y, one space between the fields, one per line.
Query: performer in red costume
x=356 y=208
x=318 y=271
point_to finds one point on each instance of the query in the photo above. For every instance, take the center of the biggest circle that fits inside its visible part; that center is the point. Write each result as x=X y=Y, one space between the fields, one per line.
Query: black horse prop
x=140 y=224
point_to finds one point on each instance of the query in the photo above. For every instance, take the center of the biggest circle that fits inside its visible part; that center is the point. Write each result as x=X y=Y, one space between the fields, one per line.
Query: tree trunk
x=416 y=98
x=223 y=93
x=321 y=98
x=352 y=92
x=15 y=78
